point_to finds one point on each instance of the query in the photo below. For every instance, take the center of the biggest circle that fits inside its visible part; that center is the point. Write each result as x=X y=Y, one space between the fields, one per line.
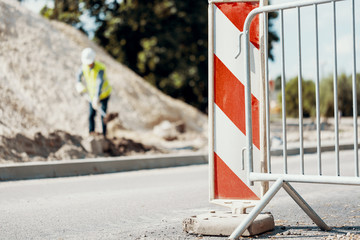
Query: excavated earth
x=42 y=117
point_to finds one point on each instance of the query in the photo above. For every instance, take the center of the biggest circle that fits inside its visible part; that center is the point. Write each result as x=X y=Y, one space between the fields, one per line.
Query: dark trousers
x=92 y=114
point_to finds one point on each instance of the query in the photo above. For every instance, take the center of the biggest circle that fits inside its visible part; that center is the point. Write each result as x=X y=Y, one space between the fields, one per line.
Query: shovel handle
x=87 y=97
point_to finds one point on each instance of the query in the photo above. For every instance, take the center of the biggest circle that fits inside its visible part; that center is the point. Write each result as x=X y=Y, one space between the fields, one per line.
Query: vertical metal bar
x=211 y=98
x=267 y=102
x=355 y=112
x=336 y=105
x=304 y=206
x=300 y=96
x=317 y=91
x=283 y=82
x=257 y=209
x=248 y=104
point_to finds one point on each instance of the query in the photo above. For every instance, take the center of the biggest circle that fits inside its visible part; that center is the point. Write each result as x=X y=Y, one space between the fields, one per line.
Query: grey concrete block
x=221 y=223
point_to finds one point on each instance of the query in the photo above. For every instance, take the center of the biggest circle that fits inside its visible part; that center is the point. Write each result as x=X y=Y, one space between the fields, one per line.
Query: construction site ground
x=43 y=118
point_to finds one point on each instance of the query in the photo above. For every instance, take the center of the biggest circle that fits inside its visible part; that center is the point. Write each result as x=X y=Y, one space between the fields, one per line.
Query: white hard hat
x=87 y=56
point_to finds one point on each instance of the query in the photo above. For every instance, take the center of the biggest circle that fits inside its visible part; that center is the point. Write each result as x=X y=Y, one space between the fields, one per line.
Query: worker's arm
x=79 y=75
x=80 y=88
x=99 y=82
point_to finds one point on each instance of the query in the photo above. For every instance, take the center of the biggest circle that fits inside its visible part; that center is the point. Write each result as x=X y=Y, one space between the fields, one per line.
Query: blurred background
x=156 y=55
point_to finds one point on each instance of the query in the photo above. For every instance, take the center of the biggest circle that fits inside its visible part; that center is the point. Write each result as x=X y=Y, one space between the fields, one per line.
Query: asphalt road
x=151 y=204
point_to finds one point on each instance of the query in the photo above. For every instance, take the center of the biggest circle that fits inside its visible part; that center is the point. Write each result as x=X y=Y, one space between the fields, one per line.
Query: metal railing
x=282 y=180
x=281 y=8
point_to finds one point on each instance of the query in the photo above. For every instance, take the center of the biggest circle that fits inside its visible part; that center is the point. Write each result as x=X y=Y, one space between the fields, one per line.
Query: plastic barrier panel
x=228 y=178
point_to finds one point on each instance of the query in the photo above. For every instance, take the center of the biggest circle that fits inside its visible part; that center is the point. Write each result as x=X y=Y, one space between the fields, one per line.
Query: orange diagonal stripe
x=237 y=12
x=230 y=98
x=227 y=185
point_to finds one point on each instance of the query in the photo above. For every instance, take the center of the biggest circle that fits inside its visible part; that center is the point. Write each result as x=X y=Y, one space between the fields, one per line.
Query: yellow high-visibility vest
x=90 y=76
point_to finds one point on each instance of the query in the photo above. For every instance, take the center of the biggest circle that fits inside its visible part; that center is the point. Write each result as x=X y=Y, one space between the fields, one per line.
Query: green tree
x=164 y=41
x=292 y=98
x=272 y=36
x=345 y=98
x=278 y=83
x=64 y=10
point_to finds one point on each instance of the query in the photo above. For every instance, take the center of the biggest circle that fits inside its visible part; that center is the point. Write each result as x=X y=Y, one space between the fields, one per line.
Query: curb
x=68 y=168
x=325 y=148
x=31 y=170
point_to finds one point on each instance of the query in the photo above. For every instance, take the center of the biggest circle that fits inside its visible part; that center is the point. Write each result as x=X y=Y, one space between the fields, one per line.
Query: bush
x=345 y=98
x=292 y=98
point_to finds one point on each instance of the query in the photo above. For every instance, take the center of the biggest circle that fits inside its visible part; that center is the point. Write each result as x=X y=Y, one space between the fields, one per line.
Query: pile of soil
x=39 y=61
x=60 y=145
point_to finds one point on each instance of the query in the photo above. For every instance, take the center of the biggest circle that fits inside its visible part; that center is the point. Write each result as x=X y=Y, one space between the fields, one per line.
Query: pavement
x=151 y=205
x=33 y=170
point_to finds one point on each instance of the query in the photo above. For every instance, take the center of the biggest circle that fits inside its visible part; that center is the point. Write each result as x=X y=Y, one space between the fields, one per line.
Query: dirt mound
x=39 y=61
x=123 y=146
x=22 y=148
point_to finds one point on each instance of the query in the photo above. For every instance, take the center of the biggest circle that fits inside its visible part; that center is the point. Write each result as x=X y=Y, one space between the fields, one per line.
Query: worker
x=96 y=87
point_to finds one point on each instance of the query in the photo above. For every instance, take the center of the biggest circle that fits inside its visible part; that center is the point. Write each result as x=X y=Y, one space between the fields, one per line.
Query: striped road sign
x=228 y=178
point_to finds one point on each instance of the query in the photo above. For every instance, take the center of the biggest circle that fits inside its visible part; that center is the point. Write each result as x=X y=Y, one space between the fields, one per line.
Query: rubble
x=60 y=145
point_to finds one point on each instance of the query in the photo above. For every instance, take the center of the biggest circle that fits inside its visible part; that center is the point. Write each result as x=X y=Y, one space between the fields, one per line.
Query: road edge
x=67 y=168
x=79 y=167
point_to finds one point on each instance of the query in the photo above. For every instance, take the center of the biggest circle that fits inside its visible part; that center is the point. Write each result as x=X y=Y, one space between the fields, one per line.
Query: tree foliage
x=164 y=41
x=64 y=10
x=272 y=36
x=345 y=98
x=292 y=98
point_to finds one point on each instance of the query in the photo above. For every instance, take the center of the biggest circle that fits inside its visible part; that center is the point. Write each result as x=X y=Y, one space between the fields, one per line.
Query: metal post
x=283 y=83
x=211 y=98
x=249 y=143
x=336 y=107
x=304 y=206
x=317 y=91
x=257 y=209
x=300 y=97
x=355 y=112
x=267 y=101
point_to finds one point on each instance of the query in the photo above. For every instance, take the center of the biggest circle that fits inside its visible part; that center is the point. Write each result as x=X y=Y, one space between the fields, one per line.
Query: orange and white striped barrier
x=228 y=178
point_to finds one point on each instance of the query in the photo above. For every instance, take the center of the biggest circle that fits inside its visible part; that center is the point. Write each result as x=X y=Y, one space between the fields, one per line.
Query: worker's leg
x=92 y=114
x=104 y=103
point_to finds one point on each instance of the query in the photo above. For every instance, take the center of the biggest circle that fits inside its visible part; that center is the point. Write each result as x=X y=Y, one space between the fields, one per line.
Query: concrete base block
x=221 y=223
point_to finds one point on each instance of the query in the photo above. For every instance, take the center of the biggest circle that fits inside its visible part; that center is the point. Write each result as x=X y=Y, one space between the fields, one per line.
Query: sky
x=37 y=5
x=326 y=57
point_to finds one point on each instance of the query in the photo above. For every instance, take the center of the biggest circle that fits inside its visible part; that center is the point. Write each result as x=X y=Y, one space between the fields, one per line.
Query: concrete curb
x=311 y=149
x=31 y=170
x=67 y=168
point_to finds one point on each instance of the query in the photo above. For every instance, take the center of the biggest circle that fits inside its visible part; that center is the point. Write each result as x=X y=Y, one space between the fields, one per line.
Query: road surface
x=151 y=204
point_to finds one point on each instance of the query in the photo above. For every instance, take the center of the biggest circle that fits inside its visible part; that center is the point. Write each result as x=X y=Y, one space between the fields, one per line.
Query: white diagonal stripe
x=226 y=47
x=228 y=144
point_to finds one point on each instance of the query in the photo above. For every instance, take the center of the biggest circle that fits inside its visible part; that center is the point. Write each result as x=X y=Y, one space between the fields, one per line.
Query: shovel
x=107 y=117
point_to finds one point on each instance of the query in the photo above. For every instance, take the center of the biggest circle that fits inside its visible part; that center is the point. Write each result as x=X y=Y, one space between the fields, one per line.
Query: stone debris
x=60 y=145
